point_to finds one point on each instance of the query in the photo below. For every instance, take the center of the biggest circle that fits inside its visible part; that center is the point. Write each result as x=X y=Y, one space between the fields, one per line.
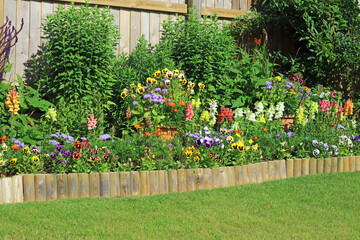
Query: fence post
x=154 y=182
x=29 y=187
x=18 y=191
x=199 y=178
x=258 y=169
x=73 y=185
x=84 y=187
x=104 y=184
x=94 y=180
x=289 y=168
x=327 y=165
x=207 y=178
x=163 y=181
x=352 y=163
x=196 y=4
x=320 y=165
x=265 y=171
x=114 y=184
x=238 y=175
x=40 y=189
x=7 y=196
x=181 y=174
x=190 y=179
x=1 y=191
x=173 y=182
x=334 y=163
x=305 y=166
x=297 y=167
x=357 y=163
x=312 y=165
x=125 y=186
x=144 y=183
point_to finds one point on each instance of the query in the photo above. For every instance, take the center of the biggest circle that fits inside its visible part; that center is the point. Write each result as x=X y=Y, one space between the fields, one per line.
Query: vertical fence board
x=144 y=183
x=271 y=170
x=223 y=177
x=22 y=46
x=73 y=185
x=84 y=185
x=259 y=175
x=282 y=169
x=163 y=182
x=181 y=174
x=346 y=164
x=125 y=186
x=245 y=173
x=125 y=31
x=17 y=185
x=305 y=166
x=290 y=168
x=352 y=164
x=215 y=172
x=116 y=13
x=2 y=15
x=62 y=186
x=312 y=165
x=145 y=27
x=40 y=189
x=199 y=178
x=154 y=28
x=29 y=187
x=252 y=173
x=10 y=11
x=320 y=165
x=357 y=163
x=1 y=190
x=173 y=182
x=154 y=183
x=7 y=196
x=135 y=183
x=327 y=165
x=334 y=164
x=114 y=184
x=134 y=28
x=105 y=184
x=190 y=179
x=35 y=24
x=230 y=176
x=297 y=167
x=265 y=171
x=94 y=186
x=207 y=178
x=277 y=169
x=238 y=175
x=340 y=164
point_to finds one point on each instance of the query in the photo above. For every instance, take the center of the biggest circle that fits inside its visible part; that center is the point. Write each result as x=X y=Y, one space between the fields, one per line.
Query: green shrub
x=205 y=51
x=79 y=55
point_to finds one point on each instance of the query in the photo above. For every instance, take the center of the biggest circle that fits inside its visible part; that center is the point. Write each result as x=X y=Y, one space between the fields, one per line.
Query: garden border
x=47 y=187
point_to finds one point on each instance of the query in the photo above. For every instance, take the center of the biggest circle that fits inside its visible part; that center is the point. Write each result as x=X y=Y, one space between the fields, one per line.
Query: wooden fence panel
x=144 y=183
x=312 y=166
x=94 y=184
x=320 y=165
x=238 y=175
x=340 y=164
x=357 y=159
x=215 y=172
x=259 y=175
x=105 y=184
x=40 y=189
x=6 y=194
x=327 y=165
x=352 y=163
x=230 y=176
x=199 y=178
x=114 y=184
x=173 y=182
x=135 y=183
x=17 y=191
x=84 y=185
x=208 y=178
x=271 y=170
x=290 y=168
x=125 y=184
x=190 y=180
x=181 y=174
x=154 y=182
x=305 y=166
x=334 y=164
x=277 y=169
x=297 y=167
x=29 y=187
x=346 y=164
x=62 y=186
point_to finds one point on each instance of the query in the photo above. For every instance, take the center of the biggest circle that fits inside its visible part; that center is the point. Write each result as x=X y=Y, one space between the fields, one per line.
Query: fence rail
x=47 y=187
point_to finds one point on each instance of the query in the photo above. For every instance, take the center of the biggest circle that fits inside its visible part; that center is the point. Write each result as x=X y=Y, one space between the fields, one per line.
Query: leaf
x=239 y=102
x=211 y=88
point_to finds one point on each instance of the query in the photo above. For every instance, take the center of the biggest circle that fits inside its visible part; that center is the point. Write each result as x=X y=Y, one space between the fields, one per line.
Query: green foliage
x=79 y=55
x=205 y=51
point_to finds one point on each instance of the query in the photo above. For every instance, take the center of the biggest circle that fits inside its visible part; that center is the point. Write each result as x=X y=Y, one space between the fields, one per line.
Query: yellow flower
x=1 y=163
x=133 y=85
x=234 y=146
x=35 y=159
x=13 y=161
x=176 y=71
x=196 y=159
x=153 y=81
x=123 y=95
x=164 y=71
x=139 y=85
x=250 y=141
x=148 y=80
x=278 y=78
x=201 y=85
x=255 y=147
x=141 y=90
x=26 y=150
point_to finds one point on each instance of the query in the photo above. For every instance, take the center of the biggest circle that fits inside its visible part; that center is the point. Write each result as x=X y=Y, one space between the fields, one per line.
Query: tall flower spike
x=12 y=102
x=92 y=122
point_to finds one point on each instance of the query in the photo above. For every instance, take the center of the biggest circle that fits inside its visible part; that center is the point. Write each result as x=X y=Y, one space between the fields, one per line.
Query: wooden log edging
x=48 y=187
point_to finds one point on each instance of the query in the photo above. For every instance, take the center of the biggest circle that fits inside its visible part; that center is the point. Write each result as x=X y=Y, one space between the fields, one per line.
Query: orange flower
x=182 y=104
x=176 y=132
x=241 y=132
x=175 y=110
x=15 y=147
x=159 y=130
x=332 y=124
x=255 y=138
x=148 y=134
x=137 y=126
x=3 y=139
x=307 y=89
x=164 y=99
x=171 y=104
x=265 y=129
x=158 y=134
x=257 y=41
x=142 y=124
x=314 y=130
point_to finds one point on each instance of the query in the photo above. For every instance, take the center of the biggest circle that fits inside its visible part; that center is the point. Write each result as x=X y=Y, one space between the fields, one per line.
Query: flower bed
x=46 y=187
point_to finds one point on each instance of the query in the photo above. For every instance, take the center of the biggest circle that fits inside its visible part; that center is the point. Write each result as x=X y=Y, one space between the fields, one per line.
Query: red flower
x=148 y=134
x=85 y=144
x=158 y=134
x=175 y=110
x=257 y=41
x=15 y=147
x=255 y=138
x=77 y=145
x=142 y=124
x=76 y=155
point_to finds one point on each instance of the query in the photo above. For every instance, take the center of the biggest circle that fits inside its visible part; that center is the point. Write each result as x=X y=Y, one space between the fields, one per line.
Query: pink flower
x=332 y=94
x=92 y=122
x=189 y=112
x=325 y=105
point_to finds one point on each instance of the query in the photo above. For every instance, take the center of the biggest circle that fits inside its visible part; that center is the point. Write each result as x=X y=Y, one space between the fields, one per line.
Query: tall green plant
x=80 y=55
x=205 y=51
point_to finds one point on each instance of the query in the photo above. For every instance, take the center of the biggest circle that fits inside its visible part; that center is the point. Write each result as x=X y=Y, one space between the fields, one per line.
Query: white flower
x=280 y=107
x=238 y=113
x=259 y=106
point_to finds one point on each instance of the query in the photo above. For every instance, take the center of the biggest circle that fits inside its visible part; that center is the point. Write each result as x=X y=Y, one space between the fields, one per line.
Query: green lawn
x=311 y=207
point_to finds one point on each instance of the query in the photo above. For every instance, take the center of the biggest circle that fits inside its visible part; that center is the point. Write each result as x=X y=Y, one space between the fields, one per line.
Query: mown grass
x=325 y=206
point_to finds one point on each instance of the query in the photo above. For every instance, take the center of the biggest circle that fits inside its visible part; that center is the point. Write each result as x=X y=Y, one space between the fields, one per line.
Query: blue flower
x=105 y=137
x=53 y=142
x=278 y=136
x=135 y=103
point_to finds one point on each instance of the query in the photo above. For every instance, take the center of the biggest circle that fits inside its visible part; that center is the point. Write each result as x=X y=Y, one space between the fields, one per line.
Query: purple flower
x=63 y=135
x=289 y=134
x=316 y=152
x=105 y=137
x=52 y=155
x=83 y=138
x=67 y=153
x=326 y=147
x=135 y=103
x=146 y=96
x=315 y=143
x=53 y=142
x=198 y=141
x=164 y=91
x=157 y=89
x=335 y=148
x=278 y=136
x=54 y=135
x=340 y=127
x=268 y=84
x=58 y=147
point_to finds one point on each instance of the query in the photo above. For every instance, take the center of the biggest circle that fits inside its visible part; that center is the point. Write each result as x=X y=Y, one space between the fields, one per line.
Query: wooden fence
x=134 y=18
x=47 y=187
